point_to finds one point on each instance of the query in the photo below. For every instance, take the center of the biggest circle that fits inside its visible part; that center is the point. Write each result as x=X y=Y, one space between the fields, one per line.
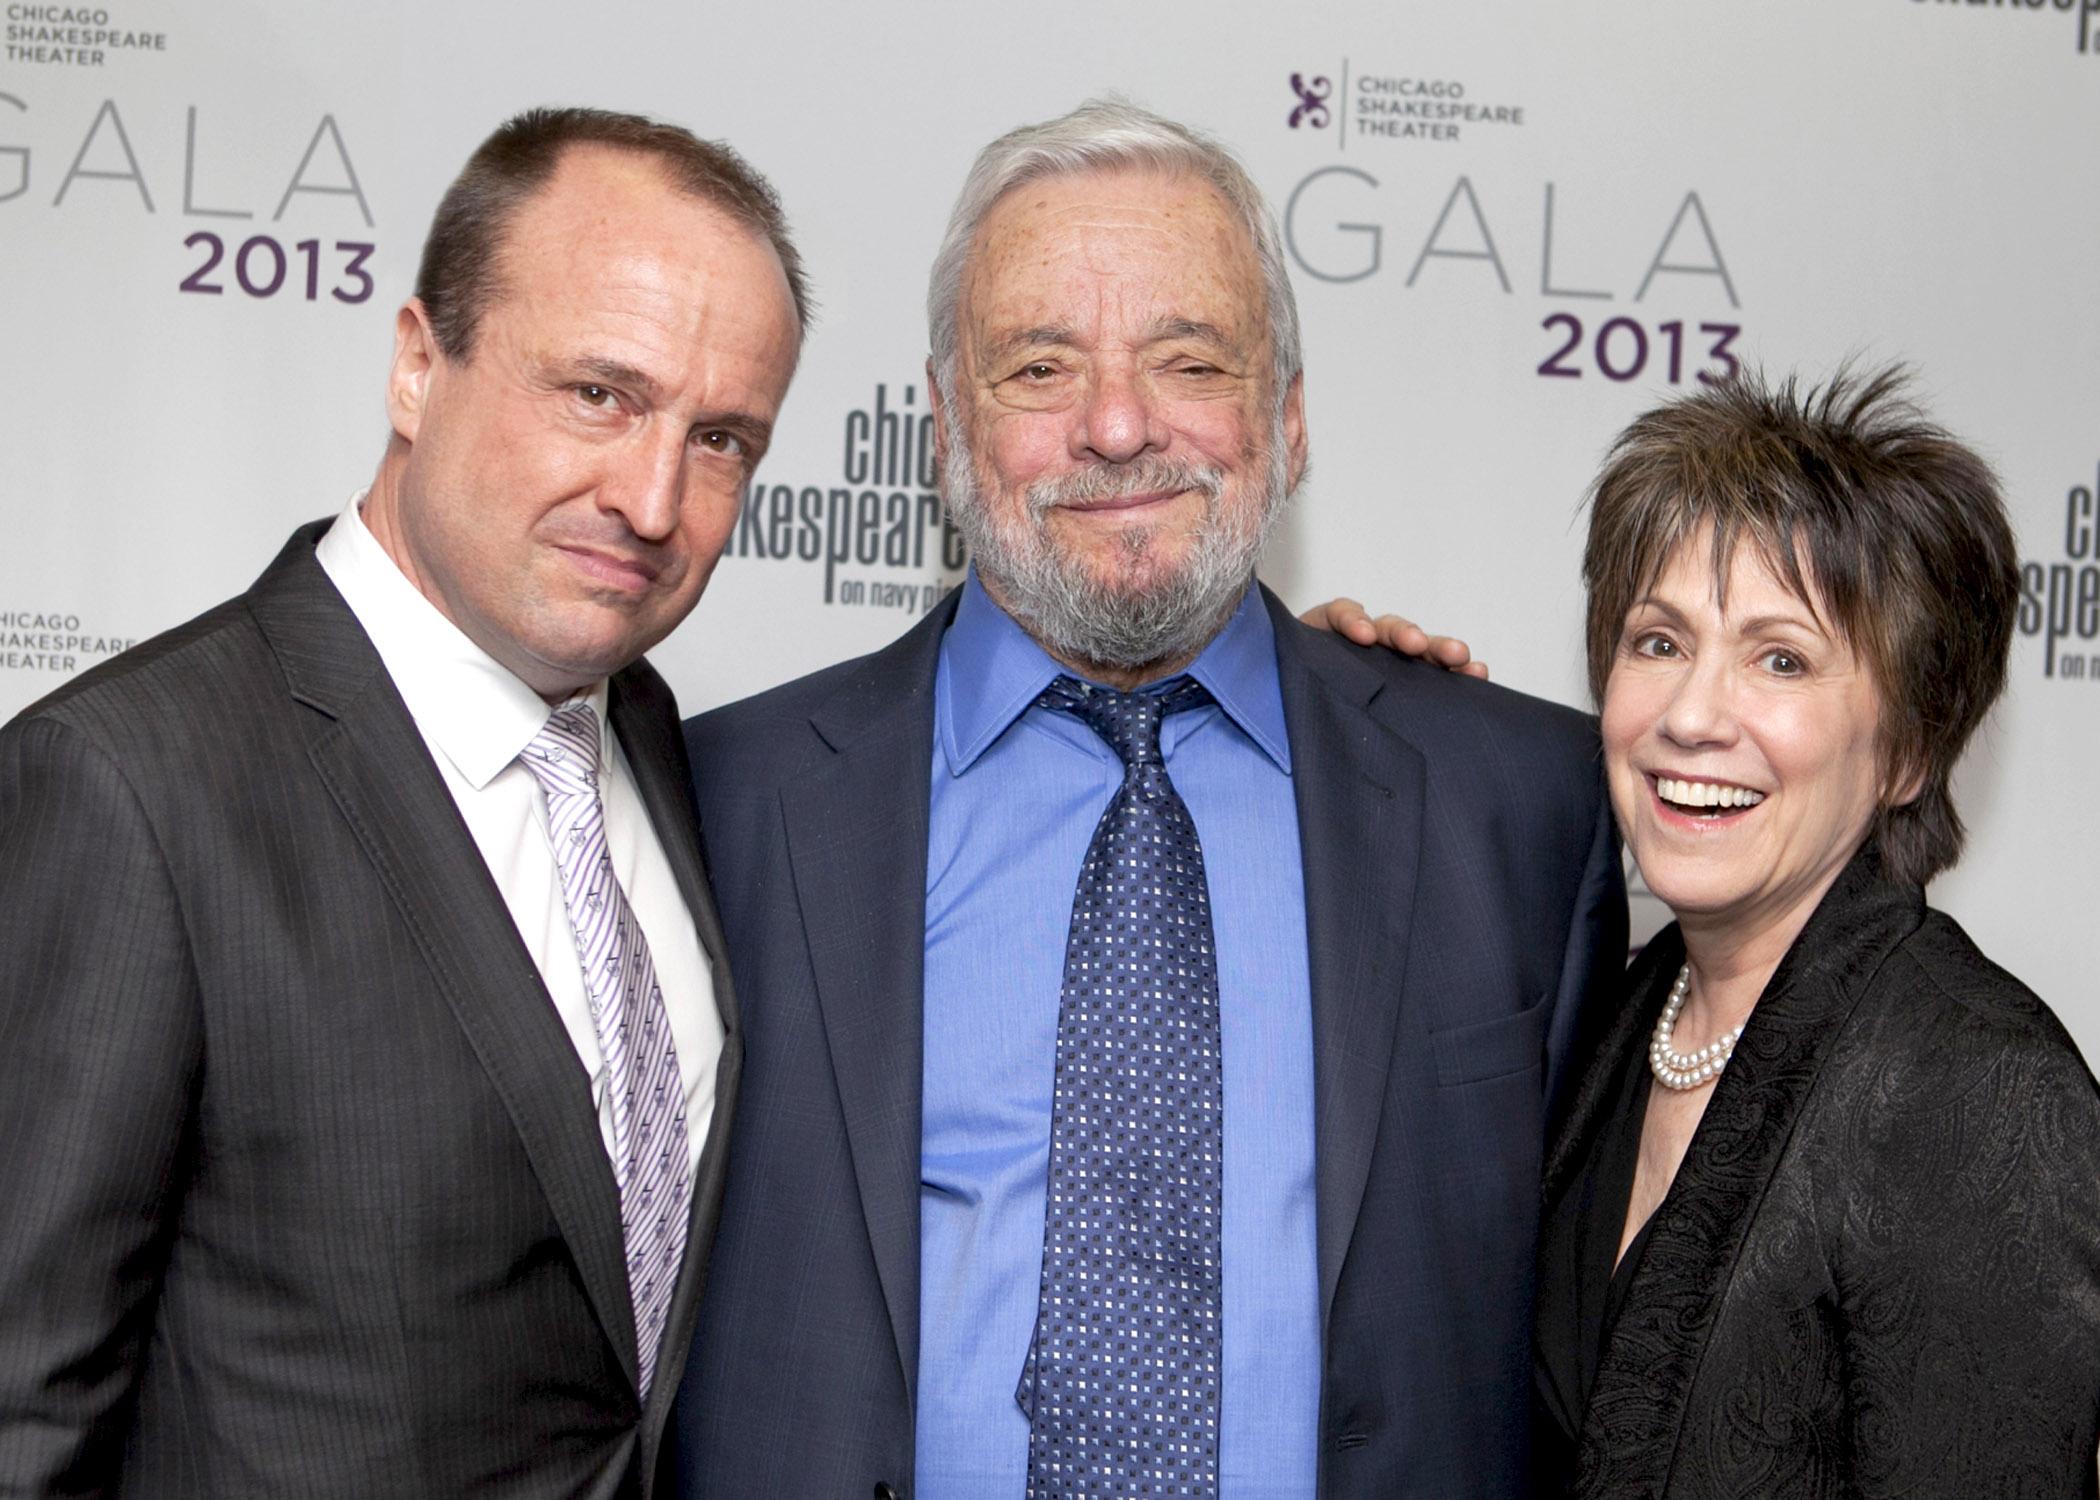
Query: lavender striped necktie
x=634 y=1034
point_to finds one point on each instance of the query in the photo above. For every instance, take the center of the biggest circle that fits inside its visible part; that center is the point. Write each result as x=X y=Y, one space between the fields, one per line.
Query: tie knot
x=1129 y=722
x=563 y=756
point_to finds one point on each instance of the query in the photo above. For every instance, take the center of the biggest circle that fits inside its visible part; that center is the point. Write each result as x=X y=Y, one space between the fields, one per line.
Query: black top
x=1580 y=1290
x=1877 y=1271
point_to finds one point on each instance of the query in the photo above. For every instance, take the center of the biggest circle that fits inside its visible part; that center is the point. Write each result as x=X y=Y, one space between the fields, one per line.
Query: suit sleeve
x=1593 y=962
x=100 y=1051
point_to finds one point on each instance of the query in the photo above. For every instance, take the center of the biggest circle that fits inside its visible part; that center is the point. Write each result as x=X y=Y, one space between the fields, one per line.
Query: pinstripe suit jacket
x=1464 y=912
x=304 y=1194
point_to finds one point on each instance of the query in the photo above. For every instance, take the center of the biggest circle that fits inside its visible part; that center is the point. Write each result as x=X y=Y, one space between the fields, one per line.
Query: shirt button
x=884 y=1490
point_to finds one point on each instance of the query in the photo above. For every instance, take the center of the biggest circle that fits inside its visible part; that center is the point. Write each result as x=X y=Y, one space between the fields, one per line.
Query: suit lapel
x=857 y=847
x=1359 y=790
x=645 y=717
x=1653 y=1352
x=1596 y=1072
x=376 y=767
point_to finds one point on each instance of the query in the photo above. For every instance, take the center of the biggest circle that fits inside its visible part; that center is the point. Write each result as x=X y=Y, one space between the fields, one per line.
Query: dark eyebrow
x=1649 y=601
x=616 y=372
x=753 y=429
x=1764 y=623
x=1755 y=626
x=756 y=431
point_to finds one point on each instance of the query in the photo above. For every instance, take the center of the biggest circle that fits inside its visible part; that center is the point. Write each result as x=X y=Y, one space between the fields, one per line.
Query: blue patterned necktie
x=1122 y=1379
x=651 y=1161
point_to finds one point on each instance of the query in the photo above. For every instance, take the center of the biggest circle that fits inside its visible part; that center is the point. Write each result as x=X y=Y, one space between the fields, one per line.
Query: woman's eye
x=1654 y=645
x=1785 y=663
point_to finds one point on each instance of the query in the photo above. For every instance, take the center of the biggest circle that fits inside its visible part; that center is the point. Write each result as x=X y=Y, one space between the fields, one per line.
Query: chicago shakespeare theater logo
x=1388 y=107
x=74 y=36
x=1311 y=108
x=40 y=638
x=1654 y=248
x=877 y=527
x=2060 y=596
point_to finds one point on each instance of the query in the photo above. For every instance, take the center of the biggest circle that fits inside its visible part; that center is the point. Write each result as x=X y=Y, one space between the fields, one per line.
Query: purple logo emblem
x=1312 y=95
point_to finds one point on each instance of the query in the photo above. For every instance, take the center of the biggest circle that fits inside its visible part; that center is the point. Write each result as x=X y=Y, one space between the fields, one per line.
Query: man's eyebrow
x=1190 y=328
x=752 y=429
x=1016 y=340
x=1043 y=335
x=616 y=372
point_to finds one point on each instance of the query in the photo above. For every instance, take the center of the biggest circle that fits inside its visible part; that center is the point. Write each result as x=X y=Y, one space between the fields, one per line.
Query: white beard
x=1080 y=618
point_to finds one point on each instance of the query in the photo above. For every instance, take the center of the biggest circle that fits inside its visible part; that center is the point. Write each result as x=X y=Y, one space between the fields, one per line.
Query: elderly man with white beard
x=1153 y=1007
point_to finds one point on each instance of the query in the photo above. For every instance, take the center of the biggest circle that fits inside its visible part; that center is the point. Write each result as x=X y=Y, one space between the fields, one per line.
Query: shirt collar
x=993 y=671
x=472 y=709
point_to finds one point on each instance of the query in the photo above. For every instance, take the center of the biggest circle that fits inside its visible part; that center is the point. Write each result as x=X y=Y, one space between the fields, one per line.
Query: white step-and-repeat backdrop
x=1512 y=225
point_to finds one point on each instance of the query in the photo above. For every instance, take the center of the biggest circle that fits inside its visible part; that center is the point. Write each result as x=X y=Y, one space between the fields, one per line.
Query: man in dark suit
x=367 y=1057
x=1217 y=1173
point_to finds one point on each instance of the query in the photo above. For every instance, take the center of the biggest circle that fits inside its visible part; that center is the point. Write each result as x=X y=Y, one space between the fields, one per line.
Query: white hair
x=1105 y=135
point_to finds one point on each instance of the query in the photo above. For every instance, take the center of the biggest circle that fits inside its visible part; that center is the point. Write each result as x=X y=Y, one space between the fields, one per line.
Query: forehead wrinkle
x=1058 y=263
x=1109 y=297
x=641 y=321
x=629 y=338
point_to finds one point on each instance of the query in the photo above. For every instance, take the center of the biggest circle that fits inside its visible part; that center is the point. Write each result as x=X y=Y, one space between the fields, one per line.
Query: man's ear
x=416 y=358
x=940 y=428
x=1294 y=440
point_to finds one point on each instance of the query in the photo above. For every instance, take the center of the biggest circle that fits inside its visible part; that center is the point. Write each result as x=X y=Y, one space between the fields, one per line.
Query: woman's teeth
x=1705 y=794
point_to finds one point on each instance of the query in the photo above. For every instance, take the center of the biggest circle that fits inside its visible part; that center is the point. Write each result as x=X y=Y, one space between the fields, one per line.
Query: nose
x=646 y=485
x=1120 y=419
x=1701 y=708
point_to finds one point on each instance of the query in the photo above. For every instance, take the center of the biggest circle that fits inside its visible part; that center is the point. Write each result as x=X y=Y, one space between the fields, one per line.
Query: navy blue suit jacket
x=1464 y=910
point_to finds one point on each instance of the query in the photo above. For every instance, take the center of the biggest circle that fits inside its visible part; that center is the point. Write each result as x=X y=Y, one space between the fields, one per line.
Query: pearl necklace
x=1678 y=1070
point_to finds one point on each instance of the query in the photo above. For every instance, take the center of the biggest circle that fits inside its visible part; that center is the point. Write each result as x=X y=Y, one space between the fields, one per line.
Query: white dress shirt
x=476 y=716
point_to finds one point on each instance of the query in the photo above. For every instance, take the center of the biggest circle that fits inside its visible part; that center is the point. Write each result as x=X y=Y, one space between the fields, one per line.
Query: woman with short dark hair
x=1824 y=1216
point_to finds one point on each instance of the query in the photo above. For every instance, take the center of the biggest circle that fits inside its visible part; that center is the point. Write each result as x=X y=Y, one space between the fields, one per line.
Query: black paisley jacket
x=1877 y=1272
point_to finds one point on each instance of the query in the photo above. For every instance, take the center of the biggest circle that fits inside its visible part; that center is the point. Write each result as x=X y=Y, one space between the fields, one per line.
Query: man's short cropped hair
x=460 y=271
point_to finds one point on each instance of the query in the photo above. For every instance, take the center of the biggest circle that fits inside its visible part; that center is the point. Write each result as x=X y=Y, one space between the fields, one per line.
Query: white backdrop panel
x=1620 y=188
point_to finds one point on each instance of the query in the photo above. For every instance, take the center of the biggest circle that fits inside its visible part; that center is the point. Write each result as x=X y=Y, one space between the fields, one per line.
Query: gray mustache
x=1115 y=481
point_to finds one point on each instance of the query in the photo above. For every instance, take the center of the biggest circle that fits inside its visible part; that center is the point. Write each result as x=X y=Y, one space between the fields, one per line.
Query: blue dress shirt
x=1016 y=793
